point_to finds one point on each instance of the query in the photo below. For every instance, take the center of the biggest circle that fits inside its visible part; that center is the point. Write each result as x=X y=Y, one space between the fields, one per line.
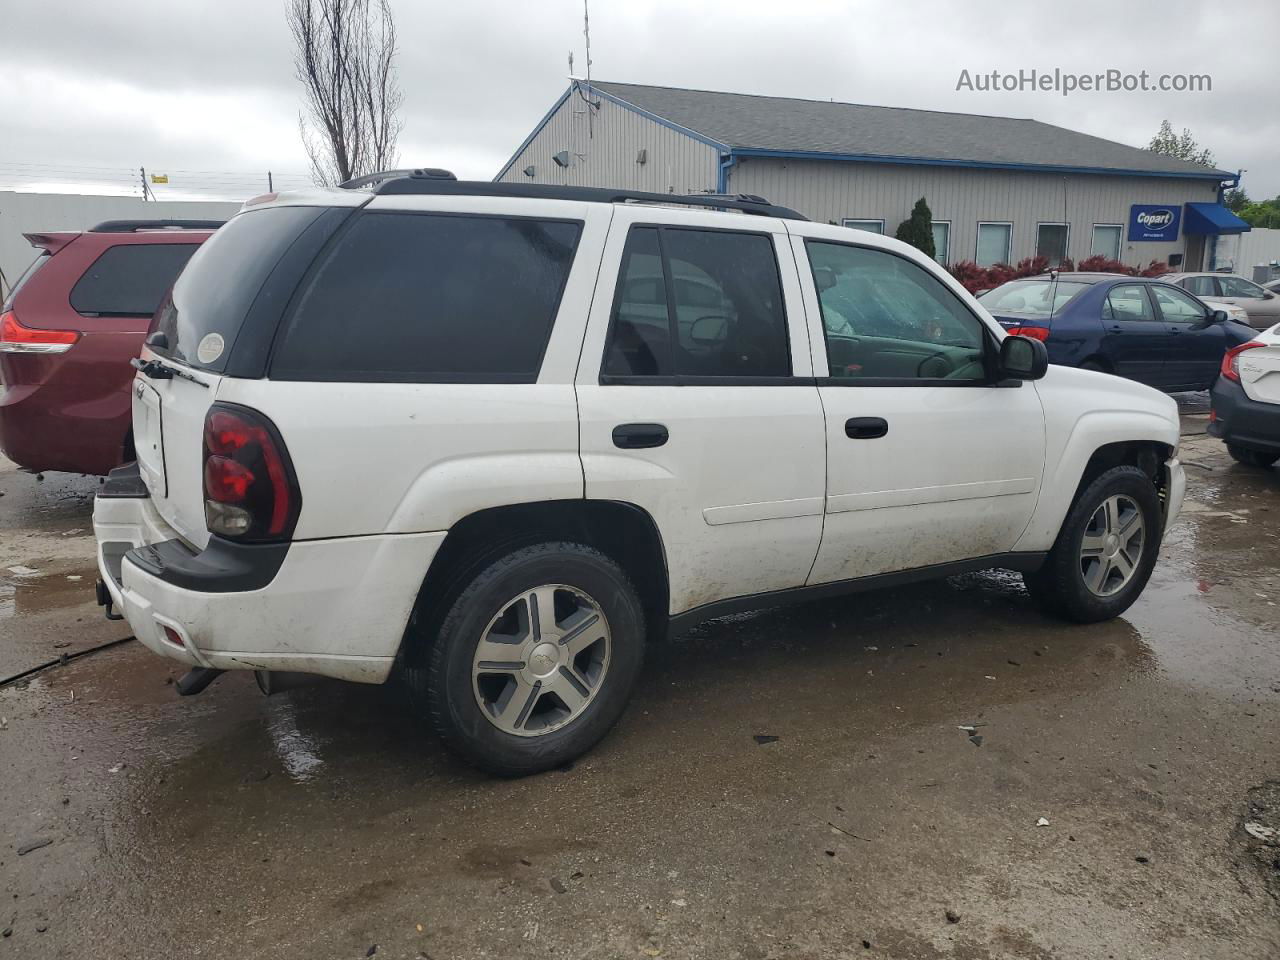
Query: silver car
x=1262 y=305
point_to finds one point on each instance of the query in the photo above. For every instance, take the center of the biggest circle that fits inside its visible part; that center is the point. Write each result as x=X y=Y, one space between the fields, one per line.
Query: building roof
x=746 y=123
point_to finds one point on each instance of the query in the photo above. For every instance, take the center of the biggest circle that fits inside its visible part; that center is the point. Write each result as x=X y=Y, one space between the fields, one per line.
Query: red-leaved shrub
x=974 y=278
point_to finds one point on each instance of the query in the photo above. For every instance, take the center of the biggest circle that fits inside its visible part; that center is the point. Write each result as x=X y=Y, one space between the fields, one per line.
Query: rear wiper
x=156 y=370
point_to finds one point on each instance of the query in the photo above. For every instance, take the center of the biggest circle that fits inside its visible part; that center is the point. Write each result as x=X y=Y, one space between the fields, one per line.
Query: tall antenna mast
x=586 y=33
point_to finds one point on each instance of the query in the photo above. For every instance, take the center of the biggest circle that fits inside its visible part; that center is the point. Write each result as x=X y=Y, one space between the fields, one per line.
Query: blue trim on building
x=536 y=130
x=727 y=162
x=972 y=164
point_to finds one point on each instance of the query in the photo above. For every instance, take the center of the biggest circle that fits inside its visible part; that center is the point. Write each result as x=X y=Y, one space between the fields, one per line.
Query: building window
x=1106 y=240
x=871 y=226
x=941 y=240
x=995 y=241
x=1051 y=242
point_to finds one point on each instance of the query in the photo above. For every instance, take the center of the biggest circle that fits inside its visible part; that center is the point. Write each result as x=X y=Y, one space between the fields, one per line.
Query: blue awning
x=1212 y=219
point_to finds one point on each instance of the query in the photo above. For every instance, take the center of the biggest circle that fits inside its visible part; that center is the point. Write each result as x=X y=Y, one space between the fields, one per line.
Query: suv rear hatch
x=217 y=322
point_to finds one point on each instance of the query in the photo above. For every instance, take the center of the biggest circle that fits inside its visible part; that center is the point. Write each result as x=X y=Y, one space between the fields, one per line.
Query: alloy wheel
x=1112 y=546
x=541 y=660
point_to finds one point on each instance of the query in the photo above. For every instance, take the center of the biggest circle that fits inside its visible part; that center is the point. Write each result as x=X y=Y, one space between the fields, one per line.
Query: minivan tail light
x=250 y=491
x=16 y=338
x=1231 y=359
x=1035 y=333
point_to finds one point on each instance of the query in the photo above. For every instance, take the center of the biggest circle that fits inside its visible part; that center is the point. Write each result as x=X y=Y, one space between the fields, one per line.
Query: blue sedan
x=1148 y=331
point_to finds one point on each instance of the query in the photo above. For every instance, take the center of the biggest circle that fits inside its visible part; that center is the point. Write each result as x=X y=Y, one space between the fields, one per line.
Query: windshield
x=203 y=315
x=1031 y=298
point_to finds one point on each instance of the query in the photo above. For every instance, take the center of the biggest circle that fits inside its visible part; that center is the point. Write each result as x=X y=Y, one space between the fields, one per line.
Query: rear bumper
x=1239 y=420
x=332 y=607
x=66 y=411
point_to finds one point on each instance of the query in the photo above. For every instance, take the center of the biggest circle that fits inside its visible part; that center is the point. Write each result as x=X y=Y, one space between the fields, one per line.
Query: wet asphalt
x=865 y=777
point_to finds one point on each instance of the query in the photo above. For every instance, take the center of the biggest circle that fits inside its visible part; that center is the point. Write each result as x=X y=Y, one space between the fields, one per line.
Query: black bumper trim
x=124 y=483
x=222 y=567
x=1241 y=420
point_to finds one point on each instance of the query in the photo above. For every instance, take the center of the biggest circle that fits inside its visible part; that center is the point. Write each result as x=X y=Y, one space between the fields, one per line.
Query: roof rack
x=130 y=226
x=400 y=183
x=372 y=179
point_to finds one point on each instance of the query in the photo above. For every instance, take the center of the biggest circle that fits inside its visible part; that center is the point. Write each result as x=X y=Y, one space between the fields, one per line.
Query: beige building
x=1000 y=189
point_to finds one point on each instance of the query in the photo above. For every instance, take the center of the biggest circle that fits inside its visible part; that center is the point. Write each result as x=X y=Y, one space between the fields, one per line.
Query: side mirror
x=709 y=330
x=1219 y=316
x=158 y=341
x=1022 y=358
x=1268 y=295
x=824 y=277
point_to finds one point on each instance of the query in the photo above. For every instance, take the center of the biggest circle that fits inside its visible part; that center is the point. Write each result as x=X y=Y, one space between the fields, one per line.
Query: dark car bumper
x=1238 y=419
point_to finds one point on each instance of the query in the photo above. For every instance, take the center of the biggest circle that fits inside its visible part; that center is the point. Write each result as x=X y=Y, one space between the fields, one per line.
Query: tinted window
x=887 y=318
x=1129 y=302
x=1177 y=306
x=698 y=303
x=1235 y=287
x=129 y=280
x=1200 y=286
x=211 y=298
x=640 y=342
x=429 y=298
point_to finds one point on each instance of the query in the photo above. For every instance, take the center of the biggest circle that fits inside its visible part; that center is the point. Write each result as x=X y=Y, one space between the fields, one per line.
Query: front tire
x=535 y=661
x=1105 y=551
x=1250 y=457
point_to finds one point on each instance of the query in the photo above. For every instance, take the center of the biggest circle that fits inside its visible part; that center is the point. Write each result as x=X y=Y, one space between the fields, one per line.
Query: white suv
x=494 y=437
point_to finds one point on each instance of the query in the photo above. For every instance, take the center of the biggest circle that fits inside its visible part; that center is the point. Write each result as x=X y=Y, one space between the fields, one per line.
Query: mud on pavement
x=935 y=771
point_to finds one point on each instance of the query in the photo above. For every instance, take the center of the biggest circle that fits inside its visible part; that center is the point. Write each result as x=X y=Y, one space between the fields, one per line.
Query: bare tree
x=1183 y=145
x=344 y=55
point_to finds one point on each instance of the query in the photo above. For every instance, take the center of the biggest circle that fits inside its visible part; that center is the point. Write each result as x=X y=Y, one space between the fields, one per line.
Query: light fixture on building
x=562 y=158
x=642 y=157
x=530 y=170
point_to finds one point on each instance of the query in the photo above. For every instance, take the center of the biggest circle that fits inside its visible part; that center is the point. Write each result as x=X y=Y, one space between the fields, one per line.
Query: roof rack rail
x=420 y=173
x=130 y=226
x=415 y=184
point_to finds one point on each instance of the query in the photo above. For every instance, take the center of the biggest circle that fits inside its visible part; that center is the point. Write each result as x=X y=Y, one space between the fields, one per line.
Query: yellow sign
x=159 y=178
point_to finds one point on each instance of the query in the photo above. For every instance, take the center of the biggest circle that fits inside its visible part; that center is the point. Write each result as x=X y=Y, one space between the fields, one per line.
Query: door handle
x=639 y=436
x=865 y=428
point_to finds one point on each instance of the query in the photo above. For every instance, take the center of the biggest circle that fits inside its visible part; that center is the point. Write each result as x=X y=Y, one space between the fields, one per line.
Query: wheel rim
x=541 y=660
x=1112 y=545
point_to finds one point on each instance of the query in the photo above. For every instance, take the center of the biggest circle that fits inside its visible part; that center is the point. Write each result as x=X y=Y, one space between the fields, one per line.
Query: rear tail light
x=16 y=338
x=250 y=491
x=1231 y=360
x=1034 y=333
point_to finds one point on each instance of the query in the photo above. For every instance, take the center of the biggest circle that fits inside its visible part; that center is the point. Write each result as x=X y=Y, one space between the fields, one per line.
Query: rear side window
x=1128 y=301
x=26 y=276
x=423 y=298
x=698 y=303
x=130 y=279
x=203 y=317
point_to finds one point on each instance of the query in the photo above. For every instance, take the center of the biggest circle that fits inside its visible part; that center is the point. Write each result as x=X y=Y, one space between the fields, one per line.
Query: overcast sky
x=204 y=91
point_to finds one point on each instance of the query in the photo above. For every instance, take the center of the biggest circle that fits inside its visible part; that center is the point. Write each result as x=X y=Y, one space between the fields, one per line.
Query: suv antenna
x=586 y=33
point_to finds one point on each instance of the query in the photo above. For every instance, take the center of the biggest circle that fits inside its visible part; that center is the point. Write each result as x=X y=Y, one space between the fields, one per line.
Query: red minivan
x=68 y=330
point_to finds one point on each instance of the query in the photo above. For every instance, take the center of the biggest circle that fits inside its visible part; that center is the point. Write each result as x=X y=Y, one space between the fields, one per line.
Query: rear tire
x=1105 y=551
x=510 y=693
x=1252 y=458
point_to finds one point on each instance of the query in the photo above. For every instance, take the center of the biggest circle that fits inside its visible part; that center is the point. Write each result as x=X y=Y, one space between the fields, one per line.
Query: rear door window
x=427 y=297
x=1129 y=302
x=698 y=304
x=129 y=279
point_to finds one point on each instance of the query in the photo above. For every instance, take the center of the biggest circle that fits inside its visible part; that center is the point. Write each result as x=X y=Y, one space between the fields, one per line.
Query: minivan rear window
x=129 y=279
x=430 y=297
x=203 y=315
x=22 y=280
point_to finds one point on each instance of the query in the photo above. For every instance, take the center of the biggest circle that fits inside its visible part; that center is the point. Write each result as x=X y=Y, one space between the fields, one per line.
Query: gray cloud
x=209 y=88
